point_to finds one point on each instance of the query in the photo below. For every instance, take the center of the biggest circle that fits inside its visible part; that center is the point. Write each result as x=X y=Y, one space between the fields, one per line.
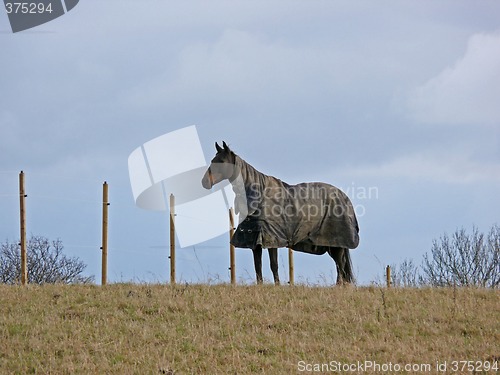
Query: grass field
x=199 y=329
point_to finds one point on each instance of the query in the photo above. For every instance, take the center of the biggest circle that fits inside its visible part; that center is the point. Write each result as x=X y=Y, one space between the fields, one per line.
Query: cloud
x=465 y=93
x=240 y=67
x=447 y=166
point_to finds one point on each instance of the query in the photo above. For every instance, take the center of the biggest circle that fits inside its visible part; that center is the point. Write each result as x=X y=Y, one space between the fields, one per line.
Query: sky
x=394 y=102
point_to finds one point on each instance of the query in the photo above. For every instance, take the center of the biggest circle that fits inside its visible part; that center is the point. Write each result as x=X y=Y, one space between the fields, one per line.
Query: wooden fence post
x=22 y=207
x=291 y=266
x=104 y=248
x=232 y=266
x=388 y=276
x=172 y=239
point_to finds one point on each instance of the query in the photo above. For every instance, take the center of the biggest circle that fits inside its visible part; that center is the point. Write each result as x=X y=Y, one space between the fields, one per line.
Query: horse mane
x=250 y=173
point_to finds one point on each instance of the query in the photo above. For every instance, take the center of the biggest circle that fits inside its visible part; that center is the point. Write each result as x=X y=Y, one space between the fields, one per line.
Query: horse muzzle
x=207 y=180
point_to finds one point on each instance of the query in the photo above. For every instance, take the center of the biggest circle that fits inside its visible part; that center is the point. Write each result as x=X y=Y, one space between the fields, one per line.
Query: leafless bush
x=406 y=274
x=464 y=259
x=46 y=263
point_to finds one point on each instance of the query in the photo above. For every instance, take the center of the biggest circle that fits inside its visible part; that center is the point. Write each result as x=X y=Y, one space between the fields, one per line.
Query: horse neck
x=250 y=177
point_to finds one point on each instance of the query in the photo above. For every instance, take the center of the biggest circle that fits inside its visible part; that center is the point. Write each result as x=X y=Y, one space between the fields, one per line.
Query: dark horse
x=314 y=218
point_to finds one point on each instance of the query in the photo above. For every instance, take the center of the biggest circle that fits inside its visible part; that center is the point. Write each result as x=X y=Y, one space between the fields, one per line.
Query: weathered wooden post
x=172 y=239
x=232 y=266
x=22 y=207
x=290 y=266
x=104 y=248
x=388 y=276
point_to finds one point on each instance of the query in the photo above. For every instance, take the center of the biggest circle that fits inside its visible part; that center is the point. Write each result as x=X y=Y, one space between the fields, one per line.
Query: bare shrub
x=406 y=274
x=464 y=259
x=46 y=263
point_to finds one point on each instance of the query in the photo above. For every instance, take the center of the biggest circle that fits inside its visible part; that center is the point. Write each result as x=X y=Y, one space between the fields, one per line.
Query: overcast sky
x=399 y=97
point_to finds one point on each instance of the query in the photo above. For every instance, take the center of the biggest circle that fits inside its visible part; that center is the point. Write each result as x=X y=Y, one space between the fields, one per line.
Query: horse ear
x=217 y=147
x=226 y=147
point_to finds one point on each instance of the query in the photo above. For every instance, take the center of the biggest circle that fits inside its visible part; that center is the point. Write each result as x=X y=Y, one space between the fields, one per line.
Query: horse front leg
x=257 y=260
x=273 y=258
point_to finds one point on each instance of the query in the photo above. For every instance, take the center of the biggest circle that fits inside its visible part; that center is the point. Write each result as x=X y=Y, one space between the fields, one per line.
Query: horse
x=314 y=218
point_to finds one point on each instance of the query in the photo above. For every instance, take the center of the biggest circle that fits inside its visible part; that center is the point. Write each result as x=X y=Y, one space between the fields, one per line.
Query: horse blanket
x=308 y=217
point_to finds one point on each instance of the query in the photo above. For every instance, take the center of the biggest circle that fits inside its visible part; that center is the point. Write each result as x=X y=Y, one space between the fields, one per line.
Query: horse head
x=222 y=166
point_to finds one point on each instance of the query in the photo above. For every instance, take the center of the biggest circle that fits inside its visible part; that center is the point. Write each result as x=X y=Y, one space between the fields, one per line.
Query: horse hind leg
x=335 y=253
x=342 y=260
x=257 y=260
x=273 y=258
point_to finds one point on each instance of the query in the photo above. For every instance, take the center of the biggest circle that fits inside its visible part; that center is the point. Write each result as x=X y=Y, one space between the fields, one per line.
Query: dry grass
x=198 y=329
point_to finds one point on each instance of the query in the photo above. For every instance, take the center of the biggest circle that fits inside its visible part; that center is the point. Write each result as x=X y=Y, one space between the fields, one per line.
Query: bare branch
x=464 y=260
x=46 y=263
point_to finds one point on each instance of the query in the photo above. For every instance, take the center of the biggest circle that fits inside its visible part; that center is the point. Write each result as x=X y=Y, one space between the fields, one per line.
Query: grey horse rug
x=308 y=217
